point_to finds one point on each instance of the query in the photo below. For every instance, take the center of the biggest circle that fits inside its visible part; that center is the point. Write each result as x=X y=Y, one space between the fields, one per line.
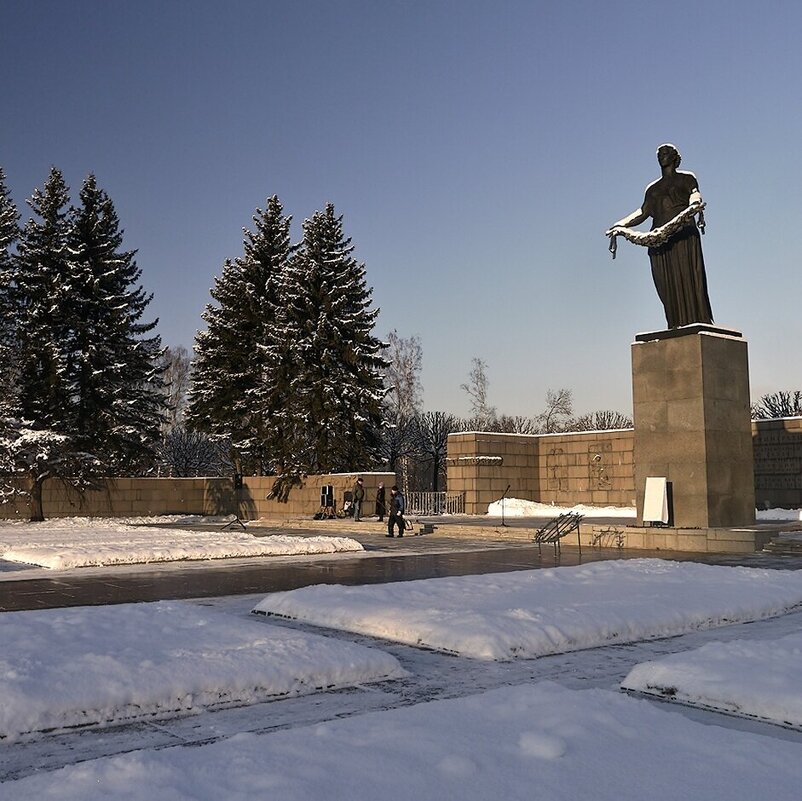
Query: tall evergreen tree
x=87 y=398
x=229 y=398
x=9 y=234
x=41 y=291
x=115 y=383
x=35 y=440
x=333 y=410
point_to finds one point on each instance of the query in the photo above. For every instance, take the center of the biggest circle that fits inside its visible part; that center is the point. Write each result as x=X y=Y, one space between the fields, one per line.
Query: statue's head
x=668 y=153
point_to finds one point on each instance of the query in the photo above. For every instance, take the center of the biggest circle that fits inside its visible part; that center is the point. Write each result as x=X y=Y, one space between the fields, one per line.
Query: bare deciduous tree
x=484 y=415
x=786 y=403
x=601 y=420
x=559 y=408
x=398 y=444
x=176 y=363
x=433 y=429
x=402 y=375
x=185 y=453
x=517 y=424
x=403 y=401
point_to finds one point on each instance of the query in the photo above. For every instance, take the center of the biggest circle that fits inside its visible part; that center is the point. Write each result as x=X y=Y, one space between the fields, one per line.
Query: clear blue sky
x=478 y=151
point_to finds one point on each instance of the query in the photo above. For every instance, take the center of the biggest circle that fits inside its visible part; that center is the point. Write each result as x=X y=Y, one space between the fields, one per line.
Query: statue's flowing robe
x=678 y=267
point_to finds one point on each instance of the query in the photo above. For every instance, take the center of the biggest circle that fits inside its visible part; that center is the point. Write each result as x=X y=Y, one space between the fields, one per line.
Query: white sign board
x=655 y=500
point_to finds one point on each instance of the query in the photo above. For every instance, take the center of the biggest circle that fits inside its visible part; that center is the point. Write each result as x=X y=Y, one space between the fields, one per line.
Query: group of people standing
x=394 y=512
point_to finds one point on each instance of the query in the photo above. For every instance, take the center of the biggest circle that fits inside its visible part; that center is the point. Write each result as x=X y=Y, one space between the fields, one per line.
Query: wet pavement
x=384 y=560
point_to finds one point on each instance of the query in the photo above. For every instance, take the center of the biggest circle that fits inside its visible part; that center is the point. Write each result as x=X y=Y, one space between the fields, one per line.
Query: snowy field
x=62 y=668
x=531 y=613
x=82 y=542
x=760 y=680
x=522 y=742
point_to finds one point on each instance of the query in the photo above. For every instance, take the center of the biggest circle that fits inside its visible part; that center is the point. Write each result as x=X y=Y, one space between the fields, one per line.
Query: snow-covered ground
x=756 y=679
x=531 y=613
x=524 y=742
x=62 y=668
x=252 y=694
x=80 y=542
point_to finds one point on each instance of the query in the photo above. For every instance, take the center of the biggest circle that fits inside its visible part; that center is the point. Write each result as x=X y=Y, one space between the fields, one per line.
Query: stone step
x=783 y=546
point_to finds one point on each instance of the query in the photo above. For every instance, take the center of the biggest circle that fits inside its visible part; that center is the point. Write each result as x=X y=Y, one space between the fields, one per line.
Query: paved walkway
x=383 y=560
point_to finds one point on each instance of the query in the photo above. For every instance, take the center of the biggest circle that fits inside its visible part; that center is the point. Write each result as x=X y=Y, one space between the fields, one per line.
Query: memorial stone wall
x=778 y=463
x=596 y=468
x=135 y=497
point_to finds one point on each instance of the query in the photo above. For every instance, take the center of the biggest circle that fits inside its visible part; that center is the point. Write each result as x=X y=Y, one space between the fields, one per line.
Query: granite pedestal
x=690 y=389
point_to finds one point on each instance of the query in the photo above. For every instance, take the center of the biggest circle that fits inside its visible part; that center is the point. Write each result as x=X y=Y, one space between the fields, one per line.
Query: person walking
x=359 y=496
x=396 y=516
x=381 y=503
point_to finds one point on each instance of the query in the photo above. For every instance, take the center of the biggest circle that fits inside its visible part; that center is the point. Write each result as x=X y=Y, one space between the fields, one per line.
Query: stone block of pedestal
x=690 y=391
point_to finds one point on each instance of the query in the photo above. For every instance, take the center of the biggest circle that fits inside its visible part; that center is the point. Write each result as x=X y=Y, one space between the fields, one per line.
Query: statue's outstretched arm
x=636 y=218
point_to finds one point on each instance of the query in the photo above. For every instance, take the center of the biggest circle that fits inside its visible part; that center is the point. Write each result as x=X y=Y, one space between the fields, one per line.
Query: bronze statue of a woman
x=673 y=202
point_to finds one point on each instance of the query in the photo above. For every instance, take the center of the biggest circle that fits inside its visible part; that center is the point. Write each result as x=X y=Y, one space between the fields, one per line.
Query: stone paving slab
x=384 y=560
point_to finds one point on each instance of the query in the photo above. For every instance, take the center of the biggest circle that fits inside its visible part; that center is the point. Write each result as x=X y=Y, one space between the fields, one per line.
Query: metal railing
x=435 y=503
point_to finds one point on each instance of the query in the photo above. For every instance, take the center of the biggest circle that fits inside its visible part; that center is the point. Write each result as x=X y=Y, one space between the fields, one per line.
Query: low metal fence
x=436 y=503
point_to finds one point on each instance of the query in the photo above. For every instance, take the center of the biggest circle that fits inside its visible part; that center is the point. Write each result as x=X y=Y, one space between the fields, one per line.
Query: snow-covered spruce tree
x=9 y=234
x=87 y=399
x=115 y=380
x=229 y=397
x=332 y=415
x=41 y=292
x=35 y=438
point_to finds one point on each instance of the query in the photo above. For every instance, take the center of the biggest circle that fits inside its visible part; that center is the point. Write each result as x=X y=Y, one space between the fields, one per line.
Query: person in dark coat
x=381 y=503
x=359 y=496
x=396 y=517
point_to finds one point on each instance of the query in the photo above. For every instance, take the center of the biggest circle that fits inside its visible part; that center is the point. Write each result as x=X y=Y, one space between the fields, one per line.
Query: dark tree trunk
x=37 y=508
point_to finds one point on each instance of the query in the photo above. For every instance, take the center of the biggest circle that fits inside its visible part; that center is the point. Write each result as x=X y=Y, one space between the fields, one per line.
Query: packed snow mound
x=532 y=613
x=749 y=678
x=60 y=545
x=87 y=666
x=517 y=507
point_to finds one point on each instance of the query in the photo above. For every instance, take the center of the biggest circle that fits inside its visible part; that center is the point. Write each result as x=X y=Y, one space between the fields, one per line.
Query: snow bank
x=779 y=514
x=61 y=668
x=60 y=545
x=531 y=613
x=539 y=741
x=516 y=507
x=756 y=679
